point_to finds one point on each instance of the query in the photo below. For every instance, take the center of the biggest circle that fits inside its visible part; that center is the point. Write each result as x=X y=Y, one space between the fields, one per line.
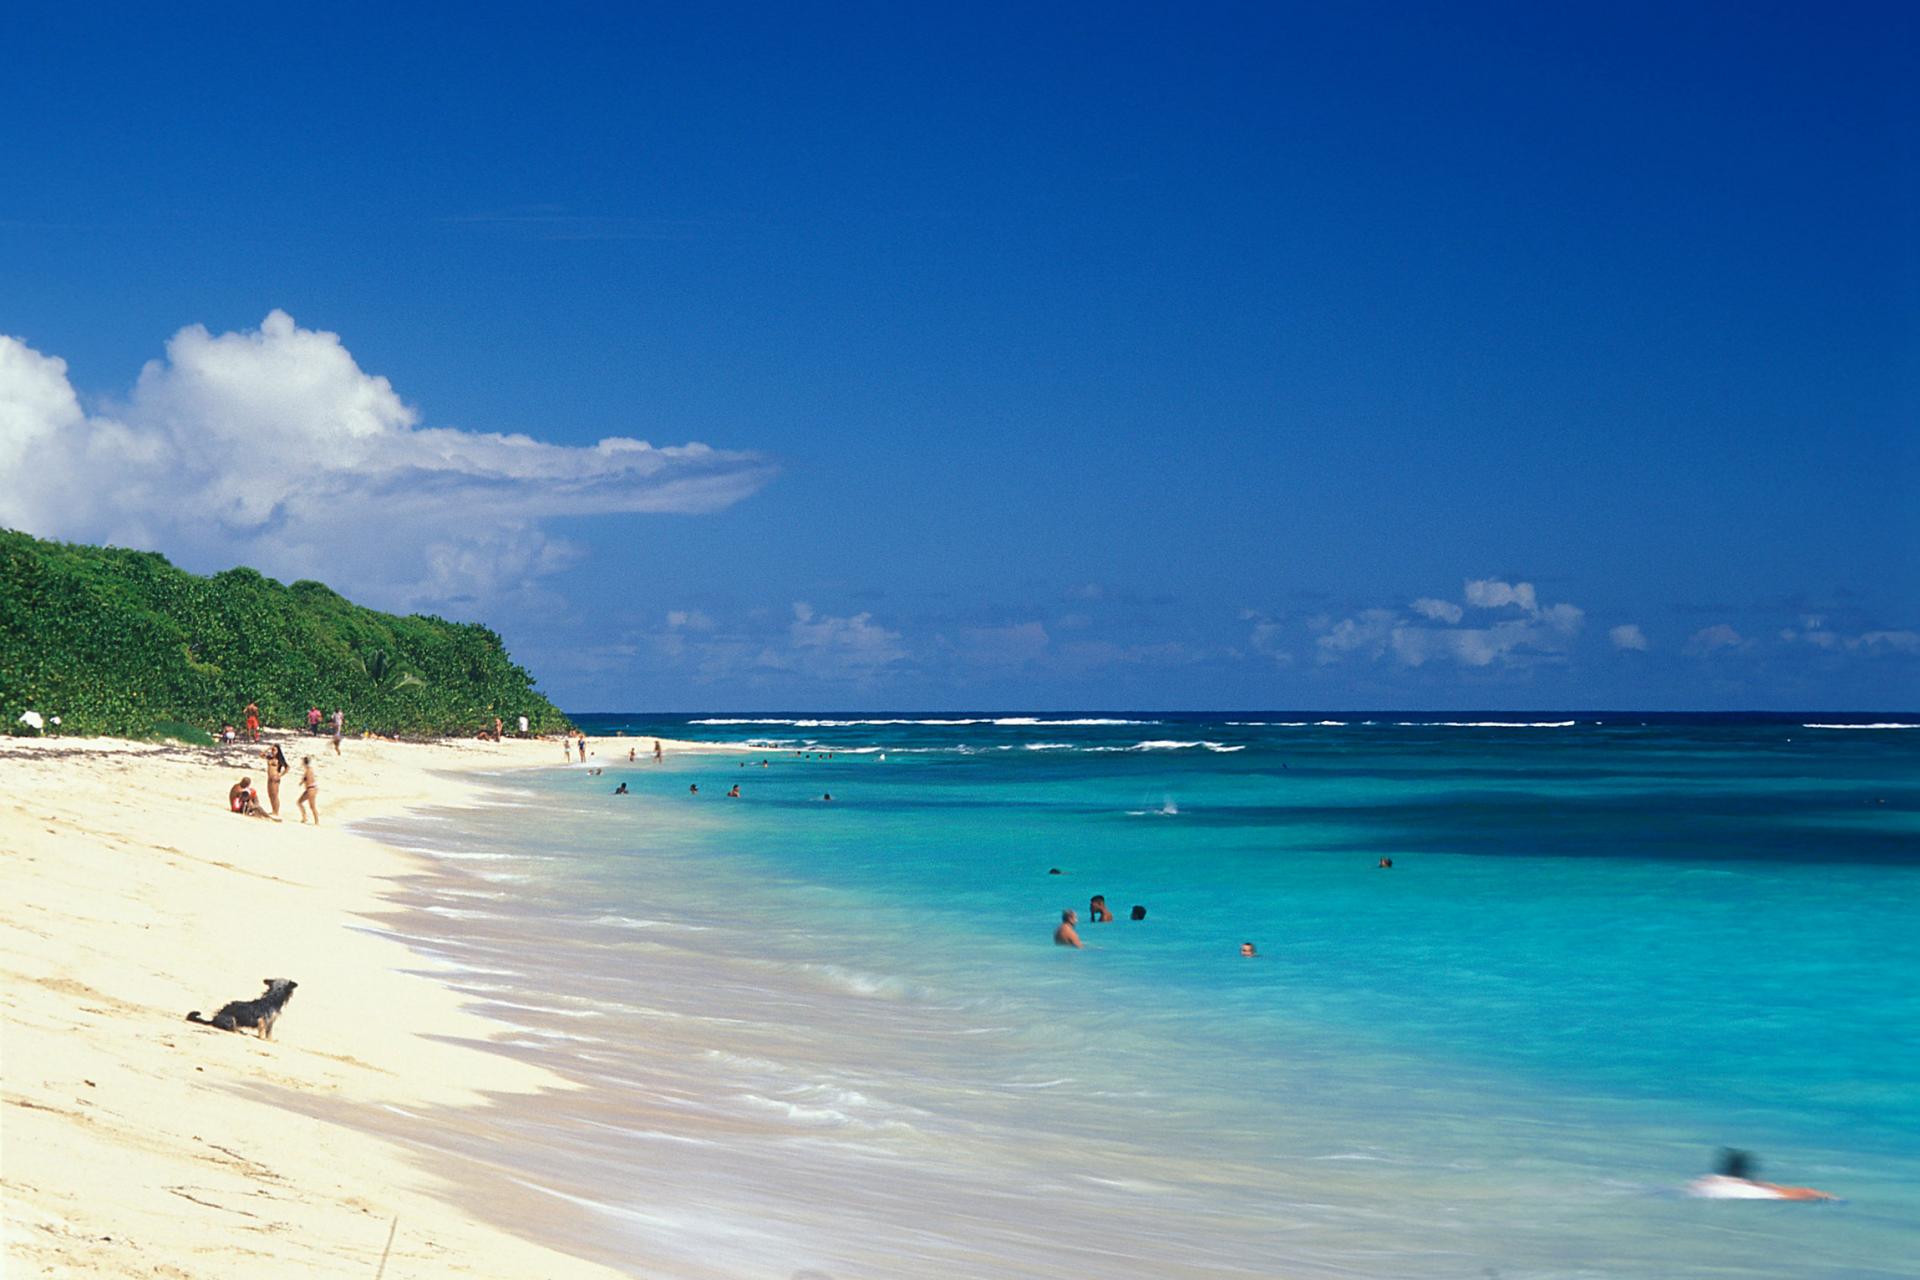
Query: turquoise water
x=835 y=1035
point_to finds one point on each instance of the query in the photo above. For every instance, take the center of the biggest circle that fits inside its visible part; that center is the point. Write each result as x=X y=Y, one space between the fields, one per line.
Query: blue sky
x=1210 y=356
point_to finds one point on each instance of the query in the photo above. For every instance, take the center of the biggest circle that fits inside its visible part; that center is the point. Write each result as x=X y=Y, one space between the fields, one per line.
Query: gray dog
x=259 y=1013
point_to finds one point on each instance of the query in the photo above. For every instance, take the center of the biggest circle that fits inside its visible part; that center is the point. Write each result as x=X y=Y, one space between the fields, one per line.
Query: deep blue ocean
x=835 y=1035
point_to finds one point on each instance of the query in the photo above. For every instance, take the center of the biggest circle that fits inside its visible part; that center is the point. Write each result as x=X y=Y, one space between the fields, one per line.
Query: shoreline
x=140 y=1144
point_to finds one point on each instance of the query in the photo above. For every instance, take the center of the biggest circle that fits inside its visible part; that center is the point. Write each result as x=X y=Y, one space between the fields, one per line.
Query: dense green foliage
x=122 y=642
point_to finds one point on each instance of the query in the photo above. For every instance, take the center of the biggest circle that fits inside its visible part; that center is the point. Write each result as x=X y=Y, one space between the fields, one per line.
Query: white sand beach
x=134 y=1143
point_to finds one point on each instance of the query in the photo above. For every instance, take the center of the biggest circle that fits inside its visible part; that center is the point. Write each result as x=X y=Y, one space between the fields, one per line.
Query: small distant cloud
x=1087 y=591
x=1889 y=642
x=1438 y=610
x=1266 y=639
x=1814 y=632
x=1715 y=639
x=1628 y=636
x=829 y=646
x=689 y=620
x=1430 y=631
x=1491 y=593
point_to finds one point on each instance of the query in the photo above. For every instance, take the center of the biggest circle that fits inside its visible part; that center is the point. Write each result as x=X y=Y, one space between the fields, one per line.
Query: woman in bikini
x=309 y=792
x=277 y=768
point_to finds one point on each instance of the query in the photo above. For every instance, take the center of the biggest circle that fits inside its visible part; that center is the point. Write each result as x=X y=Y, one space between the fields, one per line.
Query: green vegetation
x=122 y=642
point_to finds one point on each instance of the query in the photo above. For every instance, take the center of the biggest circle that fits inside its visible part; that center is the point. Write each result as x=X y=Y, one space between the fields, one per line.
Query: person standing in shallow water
x=1097 y=910
x=1067 y=935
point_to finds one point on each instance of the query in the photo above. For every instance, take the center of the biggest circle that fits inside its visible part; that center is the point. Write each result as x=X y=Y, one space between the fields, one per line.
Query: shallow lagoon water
x=834 y=1036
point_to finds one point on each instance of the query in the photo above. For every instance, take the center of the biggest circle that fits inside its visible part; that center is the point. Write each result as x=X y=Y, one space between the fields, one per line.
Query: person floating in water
x=1386 y=864
x=1097 y=911
x=1733 y=1180
x=1067 y=935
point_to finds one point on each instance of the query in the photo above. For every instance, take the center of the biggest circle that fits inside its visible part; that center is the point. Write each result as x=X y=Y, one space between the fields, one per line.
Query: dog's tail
x=195 y=1017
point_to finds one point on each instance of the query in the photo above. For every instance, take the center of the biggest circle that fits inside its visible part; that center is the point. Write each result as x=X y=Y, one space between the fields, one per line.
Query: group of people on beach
x=242 y=798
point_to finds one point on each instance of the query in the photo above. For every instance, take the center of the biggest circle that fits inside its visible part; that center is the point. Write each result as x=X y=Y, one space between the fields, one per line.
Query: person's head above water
x=1736 y=1164
x=1068 y=916
x=1246 y=949
x=1139 y=912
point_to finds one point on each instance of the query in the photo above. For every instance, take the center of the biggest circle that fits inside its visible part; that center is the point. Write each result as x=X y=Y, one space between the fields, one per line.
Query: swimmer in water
x=620 y=790
x=1386 y=864
x=1066 y=935
x=1733 y=1180
x=1097 y=910
x=735 y=793
x=1139 y=912
x=694 y=790
x=1246 y=949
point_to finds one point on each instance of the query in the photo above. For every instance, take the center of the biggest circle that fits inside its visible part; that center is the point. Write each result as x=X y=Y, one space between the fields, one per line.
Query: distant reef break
x=123 y=643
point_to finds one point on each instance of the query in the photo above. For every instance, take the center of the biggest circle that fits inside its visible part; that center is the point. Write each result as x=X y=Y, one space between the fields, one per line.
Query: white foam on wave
x=1171 y=744
x=641 y=922
x=1891 y=724
x=1503 y=724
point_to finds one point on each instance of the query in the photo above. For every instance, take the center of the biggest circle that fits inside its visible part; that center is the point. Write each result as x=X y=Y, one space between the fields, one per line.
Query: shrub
x=122 y=642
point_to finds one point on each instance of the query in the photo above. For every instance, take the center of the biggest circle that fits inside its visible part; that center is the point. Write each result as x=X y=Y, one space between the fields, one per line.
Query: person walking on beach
x=309 y=791
x=277 y=768
x=253 y=722
x=657 y=757
x=339 y=728
x=313 y=721
x=583 y=747
x=1067 y=935
x=523 y=726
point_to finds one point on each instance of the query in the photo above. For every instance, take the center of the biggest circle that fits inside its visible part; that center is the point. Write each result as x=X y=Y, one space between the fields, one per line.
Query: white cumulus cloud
x=1628 y=636
x=1430 y=631
x=1438 y=610
x=1714 y=639
x=273 y=448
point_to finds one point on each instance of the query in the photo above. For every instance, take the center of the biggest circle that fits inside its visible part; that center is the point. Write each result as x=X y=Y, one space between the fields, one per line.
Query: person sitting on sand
x=1734 y=1180
x=242 y=798
x=309 y=791
x=1097 y=911
x=1066 y=935
x=227 y=734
